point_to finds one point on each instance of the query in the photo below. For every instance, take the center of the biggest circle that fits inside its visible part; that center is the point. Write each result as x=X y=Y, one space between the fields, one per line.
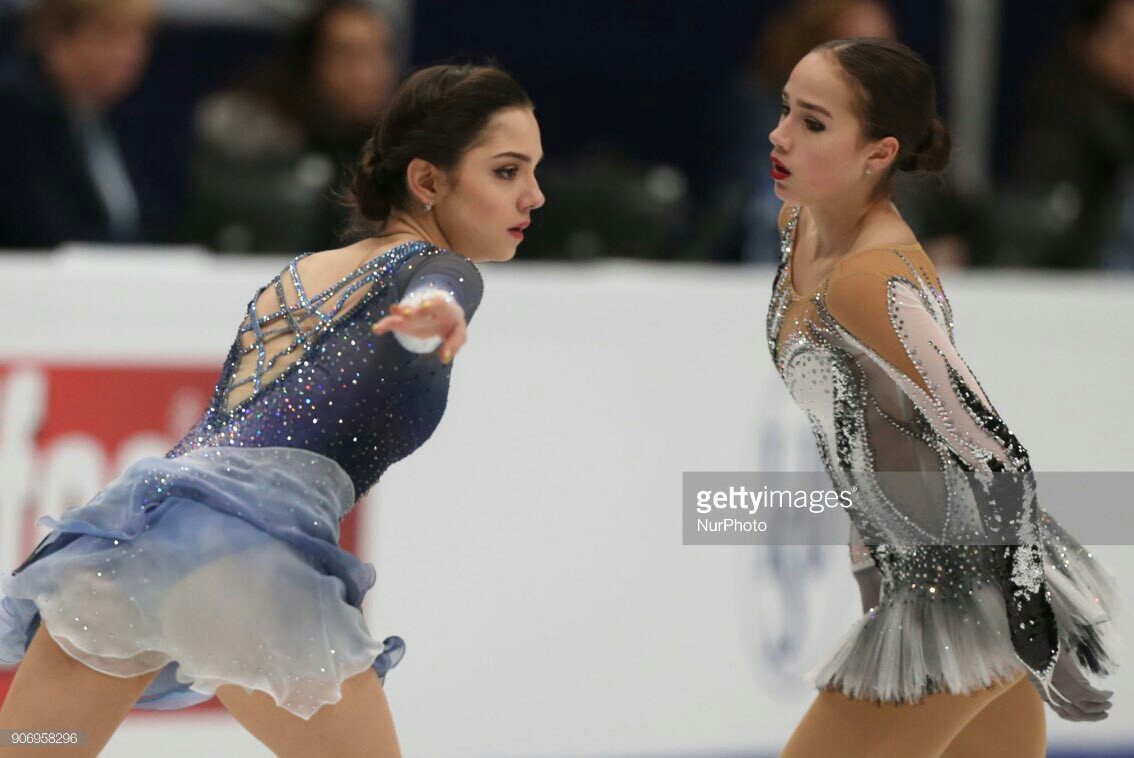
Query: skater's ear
x=881 y=154
x=425 y=181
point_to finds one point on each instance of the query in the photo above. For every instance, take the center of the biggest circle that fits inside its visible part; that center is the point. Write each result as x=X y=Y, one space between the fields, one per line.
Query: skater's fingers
x=454 y=342
x=388 y=324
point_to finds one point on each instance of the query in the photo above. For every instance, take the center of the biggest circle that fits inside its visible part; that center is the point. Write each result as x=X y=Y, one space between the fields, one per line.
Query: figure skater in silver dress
x=977 y=605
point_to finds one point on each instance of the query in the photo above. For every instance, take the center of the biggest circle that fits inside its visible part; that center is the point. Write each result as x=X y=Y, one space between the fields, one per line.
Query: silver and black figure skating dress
x=979 y=584
x=219 y=563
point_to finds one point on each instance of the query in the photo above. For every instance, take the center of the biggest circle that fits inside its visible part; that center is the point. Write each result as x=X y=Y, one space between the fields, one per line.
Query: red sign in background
x=91 y=418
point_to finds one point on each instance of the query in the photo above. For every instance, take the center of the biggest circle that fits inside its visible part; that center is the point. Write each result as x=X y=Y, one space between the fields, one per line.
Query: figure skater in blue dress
x=217 y=569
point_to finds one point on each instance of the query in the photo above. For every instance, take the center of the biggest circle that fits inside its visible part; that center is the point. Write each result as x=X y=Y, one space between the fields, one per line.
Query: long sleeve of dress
x=445 y=276
x=448 y=273
x=927 y=413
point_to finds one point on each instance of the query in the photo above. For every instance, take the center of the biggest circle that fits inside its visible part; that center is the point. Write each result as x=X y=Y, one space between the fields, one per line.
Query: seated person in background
x=65 y=175
x=1070 y=200
x=272 y=154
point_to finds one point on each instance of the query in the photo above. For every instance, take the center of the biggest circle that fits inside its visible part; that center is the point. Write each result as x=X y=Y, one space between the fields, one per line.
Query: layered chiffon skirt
x=221 y=566
x=917 y=642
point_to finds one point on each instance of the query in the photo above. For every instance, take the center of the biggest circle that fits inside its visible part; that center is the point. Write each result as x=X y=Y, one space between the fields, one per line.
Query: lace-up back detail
x=305 y=370
x=284 y=320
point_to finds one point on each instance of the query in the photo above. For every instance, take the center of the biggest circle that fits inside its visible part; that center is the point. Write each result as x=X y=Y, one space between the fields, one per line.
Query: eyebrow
x=809 y=106
x=517 y=156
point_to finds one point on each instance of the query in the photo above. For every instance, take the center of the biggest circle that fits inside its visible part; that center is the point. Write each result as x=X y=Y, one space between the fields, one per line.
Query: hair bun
x=435 y=115
x=932 y=155
x=367 y=187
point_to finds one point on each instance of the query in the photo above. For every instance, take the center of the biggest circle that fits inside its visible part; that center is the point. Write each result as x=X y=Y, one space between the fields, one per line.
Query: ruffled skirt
x=221 y=566
x=915 y=643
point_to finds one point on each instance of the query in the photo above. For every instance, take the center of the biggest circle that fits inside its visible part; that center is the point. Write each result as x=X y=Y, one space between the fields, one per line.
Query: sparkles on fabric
x=869 y=356
x=311 y=375
x=219 y=563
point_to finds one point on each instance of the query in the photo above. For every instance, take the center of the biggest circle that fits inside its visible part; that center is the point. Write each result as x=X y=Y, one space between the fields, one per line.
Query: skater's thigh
x=837 y=725
x=54 y=692
x=359 y=724
x=1012 y=724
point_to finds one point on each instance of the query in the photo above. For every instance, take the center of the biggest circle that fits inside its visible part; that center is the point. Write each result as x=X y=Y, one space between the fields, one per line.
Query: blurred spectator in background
x=271 y=154
x=608 y=205
x=741 y=220
x=1070 y=202
x=66 y=176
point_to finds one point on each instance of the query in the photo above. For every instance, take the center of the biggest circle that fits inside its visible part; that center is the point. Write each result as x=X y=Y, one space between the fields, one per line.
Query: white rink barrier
x=530 y=553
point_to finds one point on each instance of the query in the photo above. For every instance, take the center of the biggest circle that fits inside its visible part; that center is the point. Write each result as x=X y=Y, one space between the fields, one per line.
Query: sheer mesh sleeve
x=446 y=276
x=444 y=272
x=931 y=415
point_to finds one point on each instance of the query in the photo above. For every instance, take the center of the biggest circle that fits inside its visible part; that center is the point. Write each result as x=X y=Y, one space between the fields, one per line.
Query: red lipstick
x=779 y=171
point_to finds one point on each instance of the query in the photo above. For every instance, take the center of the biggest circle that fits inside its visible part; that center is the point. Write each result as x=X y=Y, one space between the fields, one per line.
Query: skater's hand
x=435 y=315
x=869 y=586
x=1074 y=698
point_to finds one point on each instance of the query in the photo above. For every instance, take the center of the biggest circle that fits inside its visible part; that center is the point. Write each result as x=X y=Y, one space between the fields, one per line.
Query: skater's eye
x=812 y=124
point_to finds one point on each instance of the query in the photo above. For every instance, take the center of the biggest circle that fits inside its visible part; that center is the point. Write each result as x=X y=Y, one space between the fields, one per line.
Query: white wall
x=530 y=553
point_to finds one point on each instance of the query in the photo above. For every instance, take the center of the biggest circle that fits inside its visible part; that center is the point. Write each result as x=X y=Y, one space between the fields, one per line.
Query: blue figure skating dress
x=219 y=563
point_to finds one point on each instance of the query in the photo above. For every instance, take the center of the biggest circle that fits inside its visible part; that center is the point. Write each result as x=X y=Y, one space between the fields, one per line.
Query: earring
x=428 y=207
x=869 y=171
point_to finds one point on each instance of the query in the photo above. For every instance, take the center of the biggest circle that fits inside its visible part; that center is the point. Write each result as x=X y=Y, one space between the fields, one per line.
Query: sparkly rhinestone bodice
x=308 y=373
x=900 y=419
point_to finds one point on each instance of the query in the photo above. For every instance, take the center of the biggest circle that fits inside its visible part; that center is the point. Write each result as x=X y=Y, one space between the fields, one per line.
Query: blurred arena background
x=531 y=553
